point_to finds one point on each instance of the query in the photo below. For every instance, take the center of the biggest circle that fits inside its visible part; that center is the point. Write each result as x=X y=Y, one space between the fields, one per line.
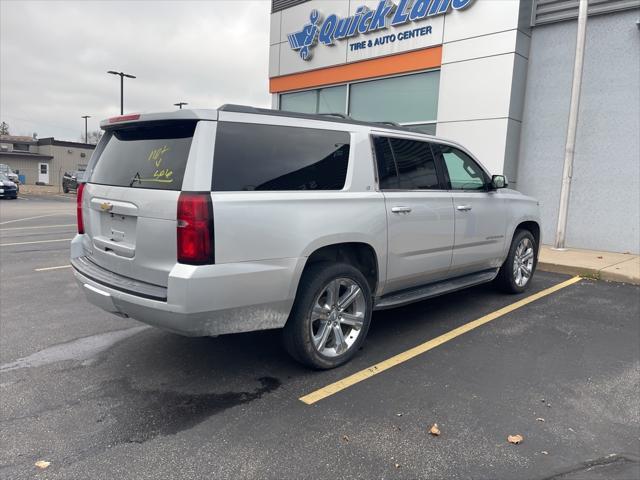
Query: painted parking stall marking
x=380 y=367
x=36 y=241
x=46 y=269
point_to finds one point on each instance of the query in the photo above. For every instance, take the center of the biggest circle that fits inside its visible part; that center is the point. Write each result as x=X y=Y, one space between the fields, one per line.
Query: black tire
x=506 y=279
x=65 y=190
x=297 y=333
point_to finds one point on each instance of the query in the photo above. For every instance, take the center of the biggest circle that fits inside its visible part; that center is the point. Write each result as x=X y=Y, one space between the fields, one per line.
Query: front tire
x=330 y=316
x=517 y=270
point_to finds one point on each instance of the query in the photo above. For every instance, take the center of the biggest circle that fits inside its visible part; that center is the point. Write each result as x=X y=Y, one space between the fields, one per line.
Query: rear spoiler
x=129 y=119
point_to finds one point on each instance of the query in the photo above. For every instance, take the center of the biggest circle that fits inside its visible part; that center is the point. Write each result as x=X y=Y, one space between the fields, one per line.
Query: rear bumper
x=206 y=300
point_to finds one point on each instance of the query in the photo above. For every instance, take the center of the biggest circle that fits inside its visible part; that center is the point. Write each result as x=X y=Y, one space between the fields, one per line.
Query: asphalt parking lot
x=103 y=397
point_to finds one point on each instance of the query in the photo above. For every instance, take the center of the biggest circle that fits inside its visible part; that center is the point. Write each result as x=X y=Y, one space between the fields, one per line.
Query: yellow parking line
x=37 y=241
x=51 y=268
x=357 y=377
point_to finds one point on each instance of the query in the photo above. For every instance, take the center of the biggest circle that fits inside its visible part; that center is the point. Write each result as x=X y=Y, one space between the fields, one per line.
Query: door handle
x=463 y=208
x=400 y=209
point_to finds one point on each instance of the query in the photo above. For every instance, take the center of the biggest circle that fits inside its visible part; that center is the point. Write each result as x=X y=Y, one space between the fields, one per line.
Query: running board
x=433 y=290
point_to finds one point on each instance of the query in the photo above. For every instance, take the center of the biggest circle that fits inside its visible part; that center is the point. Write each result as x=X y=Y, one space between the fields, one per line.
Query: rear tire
x=330 y=316
x=517 y=270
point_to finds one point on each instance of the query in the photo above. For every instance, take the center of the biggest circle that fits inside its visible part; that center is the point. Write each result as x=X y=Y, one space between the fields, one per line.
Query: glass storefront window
x=301 y=102
x=410 y=100
x=332 y=99
x=406 y=99
x=323 y=100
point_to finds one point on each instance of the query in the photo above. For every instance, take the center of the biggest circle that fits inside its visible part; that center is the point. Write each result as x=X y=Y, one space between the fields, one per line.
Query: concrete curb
x=611 y=267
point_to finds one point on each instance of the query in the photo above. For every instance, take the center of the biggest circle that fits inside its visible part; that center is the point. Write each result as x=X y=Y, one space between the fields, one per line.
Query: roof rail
x=339 y=115
x=326 y=117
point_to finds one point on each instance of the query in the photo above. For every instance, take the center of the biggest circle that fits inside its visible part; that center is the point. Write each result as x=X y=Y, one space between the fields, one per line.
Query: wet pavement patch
x=147 y=414
x=79 y=349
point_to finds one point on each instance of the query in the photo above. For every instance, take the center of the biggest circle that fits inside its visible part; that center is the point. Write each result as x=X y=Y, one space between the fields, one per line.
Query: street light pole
x=572 y=127
x=122 y=75
x=180 y=104
x=86 y=136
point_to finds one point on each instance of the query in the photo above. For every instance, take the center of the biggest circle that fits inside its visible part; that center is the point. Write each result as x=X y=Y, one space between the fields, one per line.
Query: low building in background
x=43 y=160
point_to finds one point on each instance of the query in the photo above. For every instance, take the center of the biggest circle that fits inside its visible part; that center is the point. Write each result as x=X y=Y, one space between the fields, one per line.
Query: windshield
x=4 y=178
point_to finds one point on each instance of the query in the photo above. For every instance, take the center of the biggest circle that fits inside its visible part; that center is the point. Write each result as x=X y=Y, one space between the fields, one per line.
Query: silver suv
x=208 y=222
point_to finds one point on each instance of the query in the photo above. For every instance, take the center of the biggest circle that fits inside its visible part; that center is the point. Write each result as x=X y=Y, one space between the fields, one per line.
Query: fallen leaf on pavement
x=544 y=452
x=515 y=439
x=42 y=464
x=399 y=414
x=397 y=465
x=434 y=430
x=345 y=438
x=540 y=419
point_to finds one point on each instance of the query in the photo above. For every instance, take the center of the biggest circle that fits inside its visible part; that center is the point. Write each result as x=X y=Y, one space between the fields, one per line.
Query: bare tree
x=93 y=137
x=4 y=128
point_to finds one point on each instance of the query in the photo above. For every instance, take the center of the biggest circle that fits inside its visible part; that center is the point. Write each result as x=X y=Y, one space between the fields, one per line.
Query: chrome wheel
x=523 y=262
x=337 y=317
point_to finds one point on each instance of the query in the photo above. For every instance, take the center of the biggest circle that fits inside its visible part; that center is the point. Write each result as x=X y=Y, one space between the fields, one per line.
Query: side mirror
x=499 y=181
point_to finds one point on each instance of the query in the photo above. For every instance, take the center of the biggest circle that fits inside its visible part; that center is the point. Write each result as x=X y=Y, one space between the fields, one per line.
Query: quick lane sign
x=366 y=21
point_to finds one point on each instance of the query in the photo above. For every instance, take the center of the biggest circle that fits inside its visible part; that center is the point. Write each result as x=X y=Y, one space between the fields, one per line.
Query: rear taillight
x=79 y=208
x=195 y=228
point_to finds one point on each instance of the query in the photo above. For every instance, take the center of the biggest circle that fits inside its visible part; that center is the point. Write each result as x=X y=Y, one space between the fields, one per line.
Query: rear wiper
x=135 y=177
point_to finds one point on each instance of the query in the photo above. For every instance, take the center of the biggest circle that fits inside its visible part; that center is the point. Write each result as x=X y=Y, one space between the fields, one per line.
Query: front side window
x=464 y=172
x=271 y=157
x=405 y=164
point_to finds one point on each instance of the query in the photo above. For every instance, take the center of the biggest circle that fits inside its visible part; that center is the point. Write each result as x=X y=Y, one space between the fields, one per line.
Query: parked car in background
x=70 y=180
x=8 y=188
x=210 y=222
x=4 y=168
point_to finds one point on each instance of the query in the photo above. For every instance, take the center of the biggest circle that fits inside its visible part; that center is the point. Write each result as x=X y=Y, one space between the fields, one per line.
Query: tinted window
x=150 y=155
x=405 y=164
x=269 y=157
x=387 y=172
x=464 y=172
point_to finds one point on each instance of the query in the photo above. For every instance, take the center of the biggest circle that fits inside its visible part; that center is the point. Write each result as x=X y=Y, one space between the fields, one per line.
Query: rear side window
x=405 y=164
x=269 y=157
x=150 y=155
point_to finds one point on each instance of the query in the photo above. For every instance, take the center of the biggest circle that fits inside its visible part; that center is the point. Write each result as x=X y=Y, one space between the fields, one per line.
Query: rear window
x=150 y=155
x=270 y=157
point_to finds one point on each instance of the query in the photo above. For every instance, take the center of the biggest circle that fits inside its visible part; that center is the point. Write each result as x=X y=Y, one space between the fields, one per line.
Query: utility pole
x=122 y=75
x=86 y=136
x=572 y=127
x=180 y=104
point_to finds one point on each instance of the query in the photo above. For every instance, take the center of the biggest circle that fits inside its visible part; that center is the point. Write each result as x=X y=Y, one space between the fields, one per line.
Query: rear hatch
x=130 y=199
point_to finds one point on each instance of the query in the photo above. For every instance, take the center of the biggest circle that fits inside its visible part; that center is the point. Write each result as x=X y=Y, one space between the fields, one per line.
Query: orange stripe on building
x=377 y=67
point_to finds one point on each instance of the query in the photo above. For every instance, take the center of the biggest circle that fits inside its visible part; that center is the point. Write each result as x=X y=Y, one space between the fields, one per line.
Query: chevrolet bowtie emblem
x=106 y=206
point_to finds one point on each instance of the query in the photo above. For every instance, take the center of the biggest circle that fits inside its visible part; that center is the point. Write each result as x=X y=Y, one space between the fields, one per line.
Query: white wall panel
x=274 y=28
x=498 y=43
x=486 y=139
x=423 y=41
x=290 y=61
x=274 y=60
x=476 y=89
x=482 y=17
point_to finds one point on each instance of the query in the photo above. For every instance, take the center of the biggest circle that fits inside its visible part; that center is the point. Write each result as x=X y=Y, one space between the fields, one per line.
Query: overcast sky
x=54 y=56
